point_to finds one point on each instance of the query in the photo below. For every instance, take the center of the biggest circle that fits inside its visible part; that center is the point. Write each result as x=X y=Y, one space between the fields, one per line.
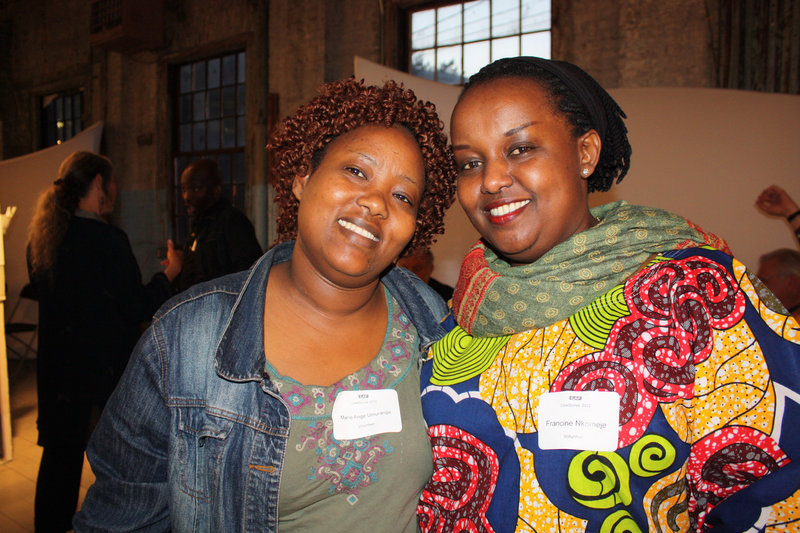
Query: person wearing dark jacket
x=223 y=240
x=92 y=304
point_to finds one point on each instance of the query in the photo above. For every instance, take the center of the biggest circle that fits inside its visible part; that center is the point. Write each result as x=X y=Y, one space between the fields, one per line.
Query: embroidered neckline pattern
x=385 y=371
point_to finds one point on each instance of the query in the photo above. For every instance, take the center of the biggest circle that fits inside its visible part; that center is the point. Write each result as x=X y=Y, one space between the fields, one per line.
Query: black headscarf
x=580 y=83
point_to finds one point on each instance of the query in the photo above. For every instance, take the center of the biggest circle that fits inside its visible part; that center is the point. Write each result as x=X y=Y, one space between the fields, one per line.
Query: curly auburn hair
x=615 y=153
x=298 y=145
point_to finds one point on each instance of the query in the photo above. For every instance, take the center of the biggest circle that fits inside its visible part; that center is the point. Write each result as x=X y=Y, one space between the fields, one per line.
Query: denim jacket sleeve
x=423 y=305
x=128 y=451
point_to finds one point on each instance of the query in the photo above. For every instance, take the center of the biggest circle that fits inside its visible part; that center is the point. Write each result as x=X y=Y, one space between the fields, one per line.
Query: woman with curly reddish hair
x=287 y=397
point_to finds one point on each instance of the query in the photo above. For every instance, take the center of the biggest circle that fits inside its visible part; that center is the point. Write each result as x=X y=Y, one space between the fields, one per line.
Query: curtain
x=756 y=44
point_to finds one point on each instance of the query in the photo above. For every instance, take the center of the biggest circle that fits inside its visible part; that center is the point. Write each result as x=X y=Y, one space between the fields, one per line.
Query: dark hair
x=206 y=168
x=58 y=203
x=298 y=146
x=786 y=259
x=573 y=93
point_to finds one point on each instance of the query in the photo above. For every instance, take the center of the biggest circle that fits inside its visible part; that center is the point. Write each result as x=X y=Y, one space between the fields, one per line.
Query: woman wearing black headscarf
x=611 y=369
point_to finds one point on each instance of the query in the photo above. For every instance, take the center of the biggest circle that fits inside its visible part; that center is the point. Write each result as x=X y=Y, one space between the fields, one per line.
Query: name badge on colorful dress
x=359 y=414
x=579 y=420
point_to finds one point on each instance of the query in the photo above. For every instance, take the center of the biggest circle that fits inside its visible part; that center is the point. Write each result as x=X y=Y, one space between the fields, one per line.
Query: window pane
x=536 y=44
x=199 y=76
x=68 y=107
x=213 y=134
x=423 y=29
x=185 y=78
x=422 y=64
x=179 y=164
x=59 y=109
x=448 y=25
x=185 y=108
x=228 y=70
x=210 y=100
x=505 y=17
x=228 y=101
x=199 y=140
x=240 y=125
x=213 y=73
x=199 y=106
x=242 y=71
x=449 y=65
x=535 y=15
x=495 y=26
x=214 y=106
x=229 y=133
x=186 y=138
x=476 y=20
x=240 y=100
x=508 y=47
x=476 y=55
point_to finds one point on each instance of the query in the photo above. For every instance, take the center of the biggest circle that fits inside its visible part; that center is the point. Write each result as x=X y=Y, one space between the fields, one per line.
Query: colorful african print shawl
x=706 y=363
x=493 y=298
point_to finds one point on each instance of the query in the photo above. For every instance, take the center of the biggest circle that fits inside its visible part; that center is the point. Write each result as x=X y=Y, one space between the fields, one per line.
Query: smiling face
x=520 y=168
x=358 y=208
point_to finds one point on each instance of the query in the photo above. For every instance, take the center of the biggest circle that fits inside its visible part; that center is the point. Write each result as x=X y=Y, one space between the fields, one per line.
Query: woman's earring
x=585 y=172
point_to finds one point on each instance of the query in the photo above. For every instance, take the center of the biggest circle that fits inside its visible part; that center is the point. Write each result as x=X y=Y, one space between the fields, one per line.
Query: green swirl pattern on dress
x=620 y=522
x=599 y=480
x=651 y=455
x=459 y=356
x=593 y=323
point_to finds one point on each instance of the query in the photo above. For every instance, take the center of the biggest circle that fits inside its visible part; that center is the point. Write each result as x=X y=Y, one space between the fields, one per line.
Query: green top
x=368 y=484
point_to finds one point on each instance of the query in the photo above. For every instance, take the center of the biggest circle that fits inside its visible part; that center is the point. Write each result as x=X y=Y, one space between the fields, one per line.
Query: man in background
x=222 y=240
x=780 y=272
x=421 y=264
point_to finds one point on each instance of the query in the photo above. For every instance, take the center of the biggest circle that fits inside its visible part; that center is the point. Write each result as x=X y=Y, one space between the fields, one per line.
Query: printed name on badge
x=579 y=420
x=359 y=414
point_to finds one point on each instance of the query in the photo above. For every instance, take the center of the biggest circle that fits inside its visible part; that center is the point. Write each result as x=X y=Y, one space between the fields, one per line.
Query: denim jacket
x=193 y=438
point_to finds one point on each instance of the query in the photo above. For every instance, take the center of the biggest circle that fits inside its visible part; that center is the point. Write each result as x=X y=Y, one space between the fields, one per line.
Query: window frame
x=231 y=158
x=407 y=51
x=53 y=130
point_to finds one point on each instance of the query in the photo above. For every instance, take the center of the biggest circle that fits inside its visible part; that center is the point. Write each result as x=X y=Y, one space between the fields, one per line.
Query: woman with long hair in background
x=92 y=305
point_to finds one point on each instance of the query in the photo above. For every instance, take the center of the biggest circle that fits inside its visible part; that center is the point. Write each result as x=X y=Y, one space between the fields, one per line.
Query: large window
x=60 y=118
x=451 y=42
x=210 y=123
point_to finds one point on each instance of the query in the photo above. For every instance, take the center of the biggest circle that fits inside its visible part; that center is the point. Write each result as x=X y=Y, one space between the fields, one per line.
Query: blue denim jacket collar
x=243 y=334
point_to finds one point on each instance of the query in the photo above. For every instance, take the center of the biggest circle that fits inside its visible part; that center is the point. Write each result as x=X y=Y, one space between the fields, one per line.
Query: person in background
x=286 y=398
x=612 y=368
x=775 y=201
x=223 y=240
x=780 y=272
x=420 y=262
x=92 y=304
